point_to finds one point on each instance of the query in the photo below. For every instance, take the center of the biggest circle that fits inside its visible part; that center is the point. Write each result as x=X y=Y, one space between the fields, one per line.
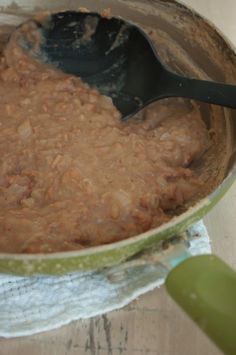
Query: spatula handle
x=206 y=91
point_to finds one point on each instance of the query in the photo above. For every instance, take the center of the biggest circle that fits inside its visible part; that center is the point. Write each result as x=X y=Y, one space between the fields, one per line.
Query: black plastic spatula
x=119 y=59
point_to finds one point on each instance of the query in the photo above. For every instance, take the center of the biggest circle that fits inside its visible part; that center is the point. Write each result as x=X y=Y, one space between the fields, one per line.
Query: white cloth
x=30 y=305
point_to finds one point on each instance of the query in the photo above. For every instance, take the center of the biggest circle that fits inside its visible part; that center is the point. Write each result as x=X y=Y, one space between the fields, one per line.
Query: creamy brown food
x=73 y=175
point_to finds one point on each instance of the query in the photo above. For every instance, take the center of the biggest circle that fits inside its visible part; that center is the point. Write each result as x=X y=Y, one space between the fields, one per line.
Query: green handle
x=205 y=287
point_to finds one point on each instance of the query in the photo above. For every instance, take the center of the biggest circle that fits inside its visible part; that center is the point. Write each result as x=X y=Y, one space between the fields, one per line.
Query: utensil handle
x=201 y=90
x=205 y=287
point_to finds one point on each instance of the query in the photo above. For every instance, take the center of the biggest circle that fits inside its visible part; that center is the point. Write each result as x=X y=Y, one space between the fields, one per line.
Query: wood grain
x=153 y=324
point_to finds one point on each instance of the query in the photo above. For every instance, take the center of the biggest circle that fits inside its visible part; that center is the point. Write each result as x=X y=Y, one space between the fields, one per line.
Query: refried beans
x=73 y=174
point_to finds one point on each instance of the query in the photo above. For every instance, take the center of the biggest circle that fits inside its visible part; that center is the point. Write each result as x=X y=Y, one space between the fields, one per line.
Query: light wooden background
x=153 y=324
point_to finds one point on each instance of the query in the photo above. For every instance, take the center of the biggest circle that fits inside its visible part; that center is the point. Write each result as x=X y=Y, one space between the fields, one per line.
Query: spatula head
x=112 y=55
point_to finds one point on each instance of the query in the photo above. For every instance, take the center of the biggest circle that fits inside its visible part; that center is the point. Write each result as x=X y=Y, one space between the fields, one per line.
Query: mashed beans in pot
x=72 y=174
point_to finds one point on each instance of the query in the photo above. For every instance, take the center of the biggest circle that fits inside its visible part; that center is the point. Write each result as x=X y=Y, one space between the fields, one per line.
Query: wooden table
x=153 y=324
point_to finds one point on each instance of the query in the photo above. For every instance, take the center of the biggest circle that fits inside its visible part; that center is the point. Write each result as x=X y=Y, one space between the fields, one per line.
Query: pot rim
x=210 y=199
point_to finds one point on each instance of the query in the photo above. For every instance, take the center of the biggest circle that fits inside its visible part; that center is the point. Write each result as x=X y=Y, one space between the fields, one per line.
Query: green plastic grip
x=205 y=287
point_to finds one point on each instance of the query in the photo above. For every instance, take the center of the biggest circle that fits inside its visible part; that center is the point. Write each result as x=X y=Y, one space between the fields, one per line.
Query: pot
x=198 y=51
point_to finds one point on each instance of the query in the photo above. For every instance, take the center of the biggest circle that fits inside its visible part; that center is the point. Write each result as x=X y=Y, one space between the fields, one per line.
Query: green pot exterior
x=109 y=255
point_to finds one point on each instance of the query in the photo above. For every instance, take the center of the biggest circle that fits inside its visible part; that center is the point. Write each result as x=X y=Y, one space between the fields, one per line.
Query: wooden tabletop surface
x=153 y=324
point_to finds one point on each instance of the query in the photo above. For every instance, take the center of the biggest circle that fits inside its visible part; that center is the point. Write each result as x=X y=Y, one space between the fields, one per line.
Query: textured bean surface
x=72 y=174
